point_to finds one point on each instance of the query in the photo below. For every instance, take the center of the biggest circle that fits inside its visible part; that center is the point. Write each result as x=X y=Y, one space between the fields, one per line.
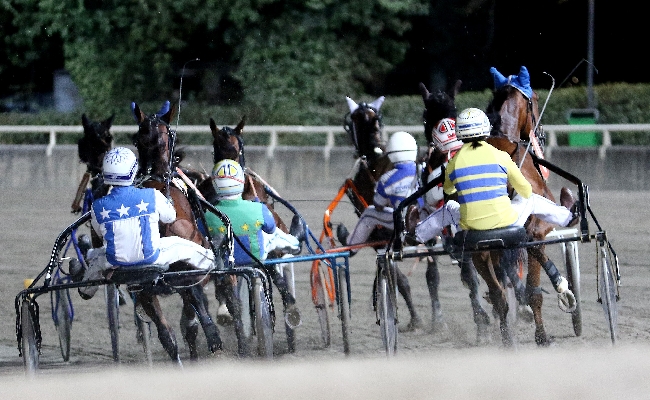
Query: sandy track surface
x=444 y=364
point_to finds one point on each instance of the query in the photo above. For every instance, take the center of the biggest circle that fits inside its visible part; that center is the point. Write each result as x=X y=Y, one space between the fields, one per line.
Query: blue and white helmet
x=119 y=167
x=472 y=123
x=228 y=179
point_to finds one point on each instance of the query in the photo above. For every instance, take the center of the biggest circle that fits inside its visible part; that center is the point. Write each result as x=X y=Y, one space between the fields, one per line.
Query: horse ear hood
x=167 y=117
x=520 y=81
x=499 y=79
x=351 y=104
x=376 y=104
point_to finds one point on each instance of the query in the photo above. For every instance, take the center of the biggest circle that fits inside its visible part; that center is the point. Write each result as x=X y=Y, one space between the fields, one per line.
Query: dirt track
x=442 y=361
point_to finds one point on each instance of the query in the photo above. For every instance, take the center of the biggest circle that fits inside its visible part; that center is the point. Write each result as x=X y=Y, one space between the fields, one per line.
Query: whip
x=180 y=90
x=540 y=117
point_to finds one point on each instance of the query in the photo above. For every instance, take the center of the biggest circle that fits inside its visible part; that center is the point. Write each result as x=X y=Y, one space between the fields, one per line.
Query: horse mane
x=499 y=97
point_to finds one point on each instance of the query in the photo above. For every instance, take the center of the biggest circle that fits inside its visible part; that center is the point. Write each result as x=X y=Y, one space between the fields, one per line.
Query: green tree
x=286 y=53
x=306 y=56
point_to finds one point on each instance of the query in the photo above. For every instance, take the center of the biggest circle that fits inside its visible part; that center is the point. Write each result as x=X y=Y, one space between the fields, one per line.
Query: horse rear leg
x=432 y=276
x=469 y=277
x=226 y=288
x=194 y=306
x=535 y=298
x=292 y=314
x=405 y=290
x=485 y=263
x=540 y=259
x=151 y=307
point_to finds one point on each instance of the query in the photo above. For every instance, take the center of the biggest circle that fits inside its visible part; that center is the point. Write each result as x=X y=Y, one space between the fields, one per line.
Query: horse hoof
x=541 y=339
x=213 y=338
x=243 y=351
x=76 y=270
x=413 y=325
x=566 y=301
x=292 y=316
x=438 y=325
x=224 y=317
x=482 y=318
x=483 y=337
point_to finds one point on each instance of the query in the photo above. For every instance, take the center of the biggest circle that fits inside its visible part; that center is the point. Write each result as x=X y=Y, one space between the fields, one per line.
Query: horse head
x=94 y=144
x=155 y=142
x=364 y=124
x=438 y=104
x=228 y=143
x=513 y=110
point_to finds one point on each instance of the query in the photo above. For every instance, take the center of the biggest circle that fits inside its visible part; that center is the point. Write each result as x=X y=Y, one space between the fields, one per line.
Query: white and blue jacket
x=396 y=185
x=127 y=217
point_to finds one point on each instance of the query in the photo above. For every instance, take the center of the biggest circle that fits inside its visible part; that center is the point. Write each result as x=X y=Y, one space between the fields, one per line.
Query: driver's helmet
x=444 y=135
x=119 y=167
x=472 y=123
x=228 y=179
x=401 y=147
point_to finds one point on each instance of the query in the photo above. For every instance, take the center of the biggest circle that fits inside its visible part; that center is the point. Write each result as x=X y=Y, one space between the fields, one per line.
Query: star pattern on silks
x=258 y=224
x=105 y=213
x=123 y=210
x=142 y=207
x=222 y=229
x=245 y=227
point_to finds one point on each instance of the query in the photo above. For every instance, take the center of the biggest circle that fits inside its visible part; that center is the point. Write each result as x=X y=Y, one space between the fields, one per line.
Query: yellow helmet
x=228 y=178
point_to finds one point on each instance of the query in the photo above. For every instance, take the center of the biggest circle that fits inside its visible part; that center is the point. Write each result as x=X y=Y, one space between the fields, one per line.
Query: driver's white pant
x=368 y=221
x=172 y=249
x=432 y=226
x=278 y=240
x=536 y=205
x=542 y=208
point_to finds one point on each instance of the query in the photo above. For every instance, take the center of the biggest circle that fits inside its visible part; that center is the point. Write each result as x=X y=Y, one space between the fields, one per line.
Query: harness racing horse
x=364 y=126
x=439 y=104
x=228 y=143
x=91 y=148
x=154 y=142
x=514 y=115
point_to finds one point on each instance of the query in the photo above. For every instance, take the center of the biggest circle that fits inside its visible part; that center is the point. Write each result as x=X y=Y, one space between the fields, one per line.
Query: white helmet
x=401 y=147
x=228 y=178
x=444 y=135
x=119 y=167
x=472 y=123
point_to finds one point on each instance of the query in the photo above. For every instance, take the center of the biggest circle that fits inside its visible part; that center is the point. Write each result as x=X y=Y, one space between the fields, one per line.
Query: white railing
x=273 y=130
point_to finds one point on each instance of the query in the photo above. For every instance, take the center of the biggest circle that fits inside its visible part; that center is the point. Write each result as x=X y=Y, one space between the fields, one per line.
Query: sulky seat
x=500 y=238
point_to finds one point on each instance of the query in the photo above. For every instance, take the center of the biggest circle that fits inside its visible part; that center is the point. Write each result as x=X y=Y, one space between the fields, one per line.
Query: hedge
x=617 y=103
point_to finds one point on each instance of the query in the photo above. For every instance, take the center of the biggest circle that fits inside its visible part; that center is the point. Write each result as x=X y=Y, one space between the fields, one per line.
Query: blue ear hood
x=164 y=109
x=520 y=82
